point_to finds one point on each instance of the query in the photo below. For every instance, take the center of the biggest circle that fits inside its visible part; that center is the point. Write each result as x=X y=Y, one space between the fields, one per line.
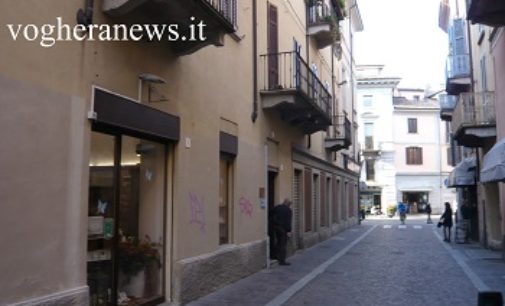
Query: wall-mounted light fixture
x=144 y=148
x=150 y=79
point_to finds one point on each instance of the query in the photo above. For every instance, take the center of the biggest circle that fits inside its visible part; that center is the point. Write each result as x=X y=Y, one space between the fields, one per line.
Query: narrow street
x=379 y=262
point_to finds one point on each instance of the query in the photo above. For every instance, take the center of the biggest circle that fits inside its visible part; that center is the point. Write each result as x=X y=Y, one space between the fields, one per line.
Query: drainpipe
x=439 y=145
x=351 y=47
x=254 y=114
x=85 y=17
x=267 y=237
x=477 y=168
x=333 y=78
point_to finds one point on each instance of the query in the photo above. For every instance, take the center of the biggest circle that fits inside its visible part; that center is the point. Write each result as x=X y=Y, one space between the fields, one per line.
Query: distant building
x=402 y=141
x=375 y=115
x=421 y=142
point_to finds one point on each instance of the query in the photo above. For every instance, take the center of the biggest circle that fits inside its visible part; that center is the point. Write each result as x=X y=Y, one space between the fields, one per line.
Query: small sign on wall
x=263 y=200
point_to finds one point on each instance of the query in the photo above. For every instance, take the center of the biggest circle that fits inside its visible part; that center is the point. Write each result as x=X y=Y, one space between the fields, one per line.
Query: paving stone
x=387 y=267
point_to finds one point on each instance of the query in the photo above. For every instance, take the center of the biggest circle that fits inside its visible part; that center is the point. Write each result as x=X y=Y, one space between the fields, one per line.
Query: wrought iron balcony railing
x=458 y=66
x=287 y=71
x=322 y=23
x=474 y=111
x=340 y=135
x=227 y=9
x=447 y=105
x=320 y=12
x=219 y=16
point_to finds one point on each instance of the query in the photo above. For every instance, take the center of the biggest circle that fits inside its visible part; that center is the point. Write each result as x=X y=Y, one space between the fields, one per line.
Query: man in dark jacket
x=281 y=217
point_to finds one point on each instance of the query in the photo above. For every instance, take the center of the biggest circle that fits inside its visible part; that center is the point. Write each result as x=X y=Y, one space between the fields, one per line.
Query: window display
x=125 y=223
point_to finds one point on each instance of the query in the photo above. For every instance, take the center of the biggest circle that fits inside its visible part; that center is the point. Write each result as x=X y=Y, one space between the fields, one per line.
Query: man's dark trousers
x=282 y=242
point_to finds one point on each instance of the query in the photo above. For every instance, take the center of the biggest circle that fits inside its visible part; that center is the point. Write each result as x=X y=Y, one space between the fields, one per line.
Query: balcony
x=219 y=17
x=488 y=12
x=458 y=74
x=341 y=136
x=447 y=105
x=295 y=91
x=474 y=119
x=323 y=23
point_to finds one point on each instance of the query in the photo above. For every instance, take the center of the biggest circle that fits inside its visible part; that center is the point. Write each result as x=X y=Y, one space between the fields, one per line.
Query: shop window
x=225 y=197
x=126 y=220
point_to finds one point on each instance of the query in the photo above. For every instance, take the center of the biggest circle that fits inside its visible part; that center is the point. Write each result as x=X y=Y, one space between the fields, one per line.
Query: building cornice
x=378 y=82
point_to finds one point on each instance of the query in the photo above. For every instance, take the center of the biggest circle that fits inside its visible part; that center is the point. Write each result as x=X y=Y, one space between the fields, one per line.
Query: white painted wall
x=431 y=175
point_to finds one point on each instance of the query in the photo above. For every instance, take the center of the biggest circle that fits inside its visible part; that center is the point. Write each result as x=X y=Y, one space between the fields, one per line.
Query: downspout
x=351 y=47
x=307 y=55
x=477 y=170
x=333 y=82
x=439 y=145
x=307 y=37
x=254 y=114
x=85 y=17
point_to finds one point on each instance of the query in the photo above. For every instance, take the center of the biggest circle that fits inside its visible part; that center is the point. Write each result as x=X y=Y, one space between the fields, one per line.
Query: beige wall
x=45 y=94
x=49 y=148
x=43 y=177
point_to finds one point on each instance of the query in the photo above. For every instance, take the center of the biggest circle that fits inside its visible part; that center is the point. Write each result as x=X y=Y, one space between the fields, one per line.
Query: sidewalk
x=485 y=269
x=264 y=286
x=488 y=266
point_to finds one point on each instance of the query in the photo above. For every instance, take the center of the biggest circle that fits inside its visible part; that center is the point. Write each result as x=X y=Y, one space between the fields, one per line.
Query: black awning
x=119 y=114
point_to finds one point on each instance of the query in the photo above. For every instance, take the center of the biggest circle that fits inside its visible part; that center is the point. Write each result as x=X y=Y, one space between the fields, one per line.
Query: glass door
x=141 y=227
x=126 y=221
x=101 y=216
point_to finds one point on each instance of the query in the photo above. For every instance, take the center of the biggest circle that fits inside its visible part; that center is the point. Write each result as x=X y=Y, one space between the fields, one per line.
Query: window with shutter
x=414 y=155
x=412 y=123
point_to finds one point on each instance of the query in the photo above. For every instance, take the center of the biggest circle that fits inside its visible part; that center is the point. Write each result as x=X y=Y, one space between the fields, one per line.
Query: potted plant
x=391 y=210
x=135 y=256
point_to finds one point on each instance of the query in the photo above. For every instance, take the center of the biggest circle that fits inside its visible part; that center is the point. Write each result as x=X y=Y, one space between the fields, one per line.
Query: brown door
x=271 y=204
x=273 y=48
x=297 y=199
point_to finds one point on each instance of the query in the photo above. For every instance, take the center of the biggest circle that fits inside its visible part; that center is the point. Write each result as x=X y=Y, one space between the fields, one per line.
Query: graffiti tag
x=246 y=206
x=197 y=212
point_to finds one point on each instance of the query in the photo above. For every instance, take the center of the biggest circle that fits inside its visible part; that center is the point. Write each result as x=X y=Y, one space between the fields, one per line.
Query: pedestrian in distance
x=281 y=217
x=402 y=211
x=428 y=212
x=446 y=220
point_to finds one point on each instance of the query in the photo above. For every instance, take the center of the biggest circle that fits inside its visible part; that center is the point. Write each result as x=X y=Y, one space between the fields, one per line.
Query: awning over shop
x=493 y=167
x=463 y=174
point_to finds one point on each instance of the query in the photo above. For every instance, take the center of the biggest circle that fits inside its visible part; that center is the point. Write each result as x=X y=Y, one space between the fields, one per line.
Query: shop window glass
x=141 y=201
x=225 y=196
x=125 y=227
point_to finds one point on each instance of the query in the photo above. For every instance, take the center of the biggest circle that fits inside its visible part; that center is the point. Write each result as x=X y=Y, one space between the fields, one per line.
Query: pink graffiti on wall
x=246 y=206
x=197 y=211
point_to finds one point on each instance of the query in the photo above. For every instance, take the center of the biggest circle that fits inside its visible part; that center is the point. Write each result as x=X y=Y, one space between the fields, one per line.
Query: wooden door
x=273 y=47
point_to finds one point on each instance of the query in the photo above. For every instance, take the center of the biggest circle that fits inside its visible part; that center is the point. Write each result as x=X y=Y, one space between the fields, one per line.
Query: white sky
x=404 y=36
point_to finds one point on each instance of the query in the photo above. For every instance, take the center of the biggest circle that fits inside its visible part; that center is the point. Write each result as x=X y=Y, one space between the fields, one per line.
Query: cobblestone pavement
x=376 y=263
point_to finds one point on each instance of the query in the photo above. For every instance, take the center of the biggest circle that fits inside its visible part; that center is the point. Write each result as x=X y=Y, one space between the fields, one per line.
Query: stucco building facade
x=159 y=161
x=421 y=142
